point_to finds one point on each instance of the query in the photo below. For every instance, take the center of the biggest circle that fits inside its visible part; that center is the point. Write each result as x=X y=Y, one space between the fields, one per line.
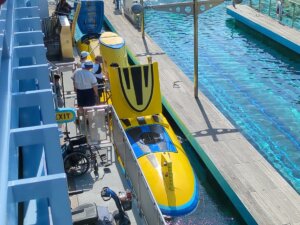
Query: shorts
x=101 y=84
x=86 y=97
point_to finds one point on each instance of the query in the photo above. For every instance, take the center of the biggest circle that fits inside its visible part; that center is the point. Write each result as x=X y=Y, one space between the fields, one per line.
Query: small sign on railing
x=65 y=115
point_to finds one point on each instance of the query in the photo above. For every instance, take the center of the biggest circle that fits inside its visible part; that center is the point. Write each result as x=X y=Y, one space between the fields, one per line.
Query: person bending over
x=63 y=8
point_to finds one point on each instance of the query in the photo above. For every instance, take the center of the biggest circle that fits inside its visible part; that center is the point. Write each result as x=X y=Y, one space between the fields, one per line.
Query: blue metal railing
x=32 y=179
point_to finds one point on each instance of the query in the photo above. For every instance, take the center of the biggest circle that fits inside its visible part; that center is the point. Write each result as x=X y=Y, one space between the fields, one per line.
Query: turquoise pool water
x=252 y=80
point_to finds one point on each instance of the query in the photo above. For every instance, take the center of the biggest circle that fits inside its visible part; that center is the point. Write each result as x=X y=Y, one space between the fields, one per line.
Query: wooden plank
x=264 y=193
x=285 y=35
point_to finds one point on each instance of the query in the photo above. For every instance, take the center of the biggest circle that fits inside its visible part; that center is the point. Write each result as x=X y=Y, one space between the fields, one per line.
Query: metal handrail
x=293 y=3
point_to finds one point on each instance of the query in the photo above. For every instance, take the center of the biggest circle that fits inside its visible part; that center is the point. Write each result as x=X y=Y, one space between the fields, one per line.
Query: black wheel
x=76 y=164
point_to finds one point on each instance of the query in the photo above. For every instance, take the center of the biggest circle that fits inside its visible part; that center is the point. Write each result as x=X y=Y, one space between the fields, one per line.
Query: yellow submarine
x=135 y=95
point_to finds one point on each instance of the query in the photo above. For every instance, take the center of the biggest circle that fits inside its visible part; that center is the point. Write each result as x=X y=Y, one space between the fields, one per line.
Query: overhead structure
x=186 y=7
x=189 y=8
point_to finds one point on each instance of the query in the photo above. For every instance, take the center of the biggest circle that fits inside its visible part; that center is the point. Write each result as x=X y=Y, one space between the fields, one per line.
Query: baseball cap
x=88 y=64
x=84 y=54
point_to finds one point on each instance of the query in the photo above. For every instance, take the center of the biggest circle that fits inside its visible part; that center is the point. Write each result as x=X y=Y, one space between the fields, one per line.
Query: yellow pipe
x=76 y=14
x=167 y=172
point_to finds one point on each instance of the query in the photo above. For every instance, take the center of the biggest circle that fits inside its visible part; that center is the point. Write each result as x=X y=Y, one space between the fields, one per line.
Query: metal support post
x=293 y=17
x=195 y=11
x=143 y=19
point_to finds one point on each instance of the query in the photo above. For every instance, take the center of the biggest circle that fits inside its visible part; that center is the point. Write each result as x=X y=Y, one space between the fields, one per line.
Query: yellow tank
x=113 y=51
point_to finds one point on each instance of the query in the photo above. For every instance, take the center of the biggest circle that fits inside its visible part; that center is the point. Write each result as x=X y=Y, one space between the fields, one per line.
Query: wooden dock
x=259 y=193
x=264 y=24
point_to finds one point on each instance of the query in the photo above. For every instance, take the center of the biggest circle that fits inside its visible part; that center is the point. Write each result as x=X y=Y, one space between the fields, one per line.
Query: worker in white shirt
x=85 y=86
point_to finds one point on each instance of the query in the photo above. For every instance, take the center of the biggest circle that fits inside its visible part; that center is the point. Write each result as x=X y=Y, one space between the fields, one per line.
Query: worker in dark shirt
x=63 y=8
x=2 y=1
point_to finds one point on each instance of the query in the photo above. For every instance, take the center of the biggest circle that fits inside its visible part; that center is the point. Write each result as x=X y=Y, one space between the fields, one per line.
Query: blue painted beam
x=36 y=187
x=37 y=53
x=38 y=72
x=28 y=38
x=27 y=12
x=5 y=97
x=32 y=188
x=28 y=24
x=40 y=98
x=47 y=137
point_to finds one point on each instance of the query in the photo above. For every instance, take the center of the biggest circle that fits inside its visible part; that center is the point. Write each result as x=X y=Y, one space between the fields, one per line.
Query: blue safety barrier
x=33 y=185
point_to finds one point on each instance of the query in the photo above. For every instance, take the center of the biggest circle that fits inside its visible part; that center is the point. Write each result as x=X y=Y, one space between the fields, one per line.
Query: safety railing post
x=293 y=17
